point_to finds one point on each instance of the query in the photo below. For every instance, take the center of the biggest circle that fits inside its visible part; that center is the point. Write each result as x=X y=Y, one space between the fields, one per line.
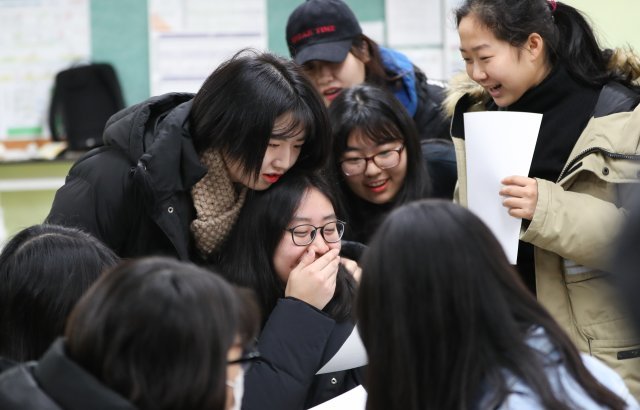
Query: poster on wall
x=188 y=39
x=425 y=31
x=38 y=38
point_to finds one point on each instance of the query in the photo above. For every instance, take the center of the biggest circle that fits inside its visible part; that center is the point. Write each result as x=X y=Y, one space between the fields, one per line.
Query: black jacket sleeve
x=430 y=118
x=97 y=197
x=292 y=342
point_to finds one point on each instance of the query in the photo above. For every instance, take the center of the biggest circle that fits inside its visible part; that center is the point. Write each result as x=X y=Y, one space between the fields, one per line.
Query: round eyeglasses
x=303 y=235
x=383 y=160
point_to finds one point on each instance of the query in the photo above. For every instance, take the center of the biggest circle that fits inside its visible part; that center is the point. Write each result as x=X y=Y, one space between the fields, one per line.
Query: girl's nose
x=371 y=168
x=319 y=245
x=282 y=160
x=477 y=73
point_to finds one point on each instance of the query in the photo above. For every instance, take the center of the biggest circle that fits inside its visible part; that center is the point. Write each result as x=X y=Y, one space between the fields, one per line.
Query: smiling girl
x=175 y=169
x=325 y=37
x=376 y=157
x=286 y=249
x=542 y=57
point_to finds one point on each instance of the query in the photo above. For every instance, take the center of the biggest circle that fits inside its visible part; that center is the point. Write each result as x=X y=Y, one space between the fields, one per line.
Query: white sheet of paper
x=498 y=144
x=351 y=354
x=354 y=399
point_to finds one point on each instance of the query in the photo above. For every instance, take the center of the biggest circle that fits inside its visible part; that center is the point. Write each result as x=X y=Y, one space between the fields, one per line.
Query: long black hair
x=157 y=331
x=375 y=113
x=568 y=36
x=44 y=270
x=236 y=108
x=440 y=306
x=248 y=256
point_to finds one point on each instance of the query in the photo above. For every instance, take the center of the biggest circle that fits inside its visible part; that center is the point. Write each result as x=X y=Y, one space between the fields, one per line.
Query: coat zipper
x=591 y=150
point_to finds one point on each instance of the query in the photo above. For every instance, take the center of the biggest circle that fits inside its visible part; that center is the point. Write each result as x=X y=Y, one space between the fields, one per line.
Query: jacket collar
x=155 y=136
x=72 y=387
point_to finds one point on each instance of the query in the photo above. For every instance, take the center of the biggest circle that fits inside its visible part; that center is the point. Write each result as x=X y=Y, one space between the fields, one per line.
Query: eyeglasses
x=303 y=235
x=383 y=160
x=246 y=360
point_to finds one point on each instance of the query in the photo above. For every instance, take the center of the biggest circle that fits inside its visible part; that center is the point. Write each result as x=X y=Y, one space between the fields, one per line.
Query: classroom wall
x=120 y=36
x=615 y=21
x=120 y=32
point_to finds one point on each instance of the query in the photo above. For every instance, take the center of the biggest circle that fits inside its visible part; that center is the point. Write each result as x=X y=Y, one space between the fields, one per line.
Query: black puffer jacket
x=134 y=192
x=430 y=118
x=56 y=383
x=296 y=342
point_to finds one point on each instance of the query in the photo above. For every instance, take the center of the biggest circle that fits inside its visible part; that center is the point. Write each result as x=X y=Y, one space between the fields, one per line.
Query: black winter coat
x=134 y=192
x=56 y=383
x=430 y=118
x=296 y=342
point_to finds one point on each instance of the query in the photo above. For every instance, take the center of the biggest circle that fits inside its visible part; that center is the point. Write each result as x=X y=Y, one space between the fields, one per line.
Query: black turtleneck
x=567 y=106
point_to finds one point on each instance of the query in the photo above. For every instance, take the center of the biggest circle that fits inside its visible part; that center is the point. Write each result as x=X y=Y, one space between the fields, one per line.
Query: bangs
x=300 y=120
x=380 y=131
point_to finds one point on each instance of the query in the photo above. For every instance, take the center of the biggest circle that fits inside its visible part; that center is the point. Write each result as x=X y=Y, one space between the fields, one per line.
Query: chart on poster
x=38 y=39
x=189 y=39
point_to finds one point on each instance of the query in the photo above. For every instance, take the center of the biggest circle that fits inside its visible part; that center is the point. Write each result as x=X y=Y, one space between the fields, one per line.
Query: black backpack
x=83 y=99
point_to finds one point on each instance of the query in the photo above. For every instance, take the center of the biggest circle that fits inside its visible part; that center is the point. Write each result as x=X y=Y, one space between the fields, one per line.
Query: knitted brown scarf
x=217 y=204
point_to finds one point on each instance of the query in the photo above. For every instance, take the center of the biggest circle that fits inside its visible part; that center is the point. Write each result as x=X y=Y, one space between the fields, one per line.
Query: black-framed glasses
x=246 y=360
x=384 y=160
x=304 y=234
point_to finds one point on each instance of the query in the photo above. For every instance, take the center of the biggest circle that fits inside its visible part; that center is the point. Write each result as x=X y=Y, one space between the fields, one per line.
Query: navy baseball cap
x=321 y=30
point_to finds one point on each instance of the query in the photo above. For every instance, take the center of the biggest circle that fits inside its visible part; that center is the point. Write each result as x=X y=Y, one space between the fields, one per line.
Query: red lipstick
x=271 y=178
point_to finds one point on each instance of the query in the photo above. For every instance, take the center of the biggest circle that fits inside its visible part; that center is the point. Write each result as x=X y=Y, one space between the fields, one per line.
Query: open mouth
x=495 y=89
x=271 y=178
x=331 y=93
x=377 y=186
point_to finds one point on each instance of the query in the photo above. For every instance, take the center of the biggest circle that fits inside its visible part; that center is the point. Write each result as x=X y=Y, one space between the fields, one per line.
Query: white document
x=354 y=399
x=498 y=144
x=351 y=354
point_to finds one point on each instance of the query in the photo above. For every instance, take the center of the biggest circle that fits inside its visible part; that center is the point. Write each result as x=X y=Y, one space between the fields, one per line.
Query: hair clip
x=553 y=5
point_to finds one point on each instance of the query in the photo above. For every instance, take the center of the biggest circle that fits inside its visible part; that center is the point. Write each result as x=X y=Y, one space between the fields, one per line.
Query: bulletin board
x=39 y=38
x=189 y=39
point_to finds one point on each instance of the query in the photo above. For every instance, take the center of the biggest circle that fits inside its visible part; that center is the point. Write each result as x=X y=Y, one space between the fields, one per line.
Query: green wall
x=120 y=36
x=119 y=32
x=615 y=21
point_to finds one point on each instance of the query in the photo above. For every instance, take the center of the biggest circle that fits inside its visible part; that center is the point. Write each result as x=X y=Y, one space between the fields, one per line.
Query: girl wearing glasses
x=376 y=157
x=286 y=248
x=175 y=169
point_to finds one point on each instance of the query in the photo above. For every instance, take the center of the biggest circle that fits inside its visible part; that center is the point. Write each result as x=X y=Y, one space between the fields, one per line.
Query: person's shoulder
x=132 y=129
x=616 y=98
x=101 y=162
x=19 y=390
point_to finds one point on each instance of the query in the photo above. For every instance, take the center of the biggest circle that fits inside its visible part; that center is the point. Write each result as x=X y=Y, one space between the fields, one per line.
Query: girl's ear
x=535 y=46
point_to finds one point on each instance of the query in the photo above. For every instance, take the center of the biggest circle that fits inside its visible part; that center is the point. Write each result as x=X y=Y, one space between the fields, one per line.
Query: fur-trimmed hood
x=624 y=62
x=461 y=85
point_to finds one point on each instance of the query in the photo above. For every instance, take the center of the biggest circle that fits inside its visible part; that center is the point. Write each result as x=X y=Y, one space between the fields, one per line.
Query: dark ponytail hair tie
x=553 y=5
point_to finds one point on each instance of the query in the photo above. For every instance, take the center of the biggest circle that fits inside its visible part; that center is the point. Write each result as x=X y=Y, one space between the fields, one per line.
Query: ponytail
x=578 y=48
